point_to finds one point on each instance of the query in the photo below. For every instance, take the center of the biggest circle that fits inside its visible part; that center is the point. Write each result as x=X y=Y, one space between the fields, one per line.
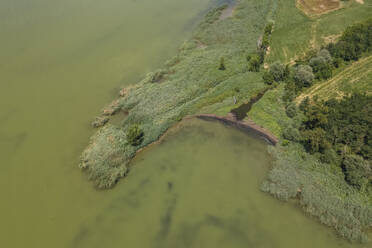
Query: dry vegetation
x=318 y=7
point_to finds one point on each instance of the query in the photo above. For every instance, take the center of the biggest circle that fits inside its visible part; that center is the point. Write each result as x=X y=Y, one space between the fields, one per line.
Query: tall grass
x=190 y=82
x=321 y=191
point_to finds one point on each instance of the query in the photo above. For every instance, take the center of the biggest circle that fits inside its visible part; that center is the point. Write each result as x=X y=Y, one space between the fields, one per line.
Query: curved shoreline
x=247 y=126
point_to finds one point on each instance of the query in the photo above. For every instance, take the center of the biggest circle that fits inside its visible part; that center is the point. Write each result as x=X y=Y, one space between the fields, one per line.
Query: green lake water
x=61 y=61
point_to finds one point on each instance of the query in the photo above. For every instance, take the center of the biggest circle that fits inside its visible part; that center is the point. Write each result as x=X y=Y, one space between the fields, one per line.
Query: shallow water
x=61 y=61
x=200 y=188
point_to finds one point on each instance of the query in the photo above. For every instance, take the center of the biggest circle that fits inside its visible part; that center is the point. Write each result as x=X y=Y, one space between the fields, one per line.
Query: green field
x=295 y=33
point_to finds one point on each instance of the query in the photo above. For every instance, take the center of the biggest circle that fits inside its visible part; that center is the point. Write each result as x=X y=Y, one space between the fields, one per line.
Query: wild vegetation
x=210 y=74
x=324 y=157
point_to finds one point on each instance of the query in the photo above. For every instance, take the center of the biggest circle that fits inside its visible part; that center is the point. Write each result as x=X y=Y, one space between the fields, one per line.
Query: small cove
x=199 y=187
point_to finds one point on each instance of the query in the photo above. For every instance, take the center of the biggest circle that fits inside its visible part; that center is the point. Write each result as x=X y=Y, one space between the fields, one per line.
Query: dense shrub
x=135 y=135
x=291 y=133
x=355 y=40
x=254 y=63
x=321 y=191
x=278 y=70
x=291 y=110
x=344 y=127
x=358 y=171
x=268 y=78
x=321 y=68
x=222 y=64
x=303 y=76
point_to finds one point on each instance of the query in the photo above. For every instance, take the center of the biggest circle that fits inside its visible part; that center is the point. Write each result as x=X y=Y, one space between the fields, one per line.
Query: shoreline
x=246 y=126
x=249 y=127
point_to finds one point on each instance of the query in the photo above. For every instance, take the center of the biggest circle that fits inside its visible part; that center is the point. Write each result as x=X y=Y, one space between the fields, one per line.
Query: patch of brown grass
x=318 y=7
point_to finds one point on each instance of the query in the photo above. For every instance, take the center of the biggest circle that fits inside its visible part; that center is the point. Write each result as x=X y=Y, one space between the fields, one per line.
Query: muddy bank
x=247 y=126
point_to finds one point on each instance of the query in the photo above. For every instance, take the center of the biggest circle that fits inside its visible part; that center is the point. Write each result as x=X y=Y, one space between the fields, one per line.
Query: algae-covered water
x=200 y=188
x=61 y=61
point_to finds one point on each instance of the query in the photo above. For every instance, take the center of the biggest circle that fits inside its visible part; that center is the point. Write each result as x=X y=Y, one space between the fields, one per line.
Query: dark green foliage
x=303 y=76
x=291 y=133
x=291 y=110
x=254 y=63
x=321 y=68
x=265 y=42
x=358 y=171
x=314 y=140
x=269 y=28
x=304 y=105
x=268 y=78
x=350 y=123
x=344 y=127
x=325 y=54
x=356 y=40
x=135 y=135
x=222 y=64
x=278 y=70
x=337 y=62
x=277 y=73
x=261 y=54
x=330 y=156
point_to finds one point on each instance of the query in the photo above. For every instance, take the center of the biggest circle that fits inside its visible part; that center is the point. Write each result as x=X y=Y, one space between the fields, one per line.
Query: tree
x=277 y=69
x=314 y=140
x=303 y=76
x=291 y=133
x=321 y=68
x=135 y=135
x=269 y=28
x=358 y=171
x=254 y=63
x=268 y=78
x=222 y=64
x=325 y=54
x=291 y=110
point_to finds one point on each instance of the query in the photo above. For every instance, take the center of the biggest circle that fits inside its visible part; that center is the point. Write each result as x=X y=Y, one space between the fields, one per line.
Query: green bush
x=135 y=135
x=268 y=78
x=354 y=41
x=358 y=171
x=278 y=70
x=291 y=133
x=254 y=63
x=291 y=110
x=303 y=76
x=321 y=68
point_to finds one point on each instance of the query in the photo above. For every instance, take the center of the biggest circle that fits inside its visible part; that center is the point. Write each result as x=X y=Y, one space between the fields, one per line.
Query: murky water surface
x=61 y=61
